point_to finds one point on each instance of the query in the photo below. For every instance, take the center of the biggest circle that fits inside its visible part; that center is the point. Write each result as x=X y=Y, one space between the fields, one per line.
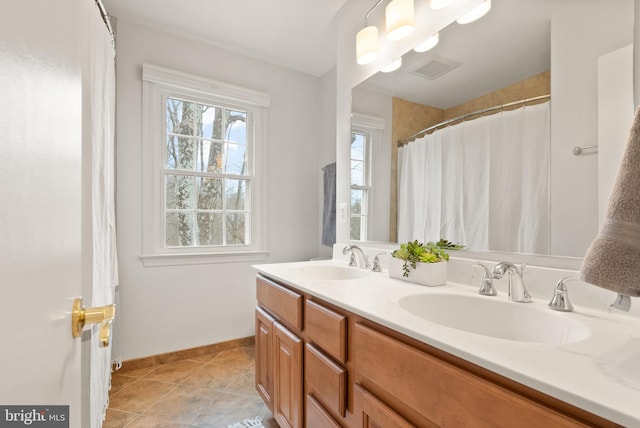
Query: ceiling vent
x=436 y=67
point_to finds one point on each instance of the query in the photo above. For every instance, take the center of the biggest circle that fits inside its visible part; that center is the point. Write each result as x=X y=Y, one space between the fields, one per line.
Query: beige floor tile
x=137 y=373
x=119 y=382
x=149 y=422
x=221 y=376
x=139 y=396
x=177 y=372
x=184 y=404
x=118 y=419
x=236 y=357
x=227 y=409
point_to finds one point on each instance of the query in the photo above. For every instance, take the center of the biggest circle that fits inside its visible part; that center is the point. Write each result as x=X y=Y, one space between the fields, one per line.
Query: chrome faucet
x=517 y=290
x=353 y=260
x=560 y=300
x=487 y=288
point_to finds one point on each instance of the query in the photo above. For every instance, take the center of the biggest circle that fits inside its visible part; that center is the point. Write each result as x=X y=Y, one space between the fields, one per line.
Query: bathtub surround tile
x=207 y=391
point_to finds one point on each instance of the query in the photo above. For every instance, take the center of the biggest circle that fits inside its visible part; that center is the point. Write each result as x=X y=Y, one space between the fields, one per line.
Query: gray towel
x=613 y=260
x=329 y=206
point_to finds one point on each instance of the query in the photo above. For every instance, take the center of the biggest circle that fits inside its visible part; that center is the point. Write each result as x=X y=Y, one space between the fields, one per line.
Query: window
x=366 y=149
x=360 y=185
x=202 y=170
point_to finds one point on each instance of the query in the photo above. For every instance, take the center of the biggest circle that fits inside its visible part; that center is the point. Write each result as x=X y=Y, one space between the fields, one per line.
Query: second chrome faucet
x=517 y=290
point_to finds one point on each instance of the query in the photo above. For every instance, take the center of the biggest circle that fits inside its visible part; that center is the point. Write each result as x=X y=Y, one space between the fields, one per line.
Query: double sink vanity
x=339 y=346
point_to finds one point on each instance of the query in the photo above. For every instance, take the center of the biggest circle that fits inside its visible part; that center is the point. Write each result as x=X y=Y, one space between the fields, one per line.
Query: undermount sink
x=502 y=319
x=330 y=272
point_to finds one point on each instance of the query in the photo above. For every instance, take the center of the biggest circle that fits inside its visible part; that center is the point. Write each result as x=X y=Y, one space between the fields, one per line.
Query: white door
x=43 y=207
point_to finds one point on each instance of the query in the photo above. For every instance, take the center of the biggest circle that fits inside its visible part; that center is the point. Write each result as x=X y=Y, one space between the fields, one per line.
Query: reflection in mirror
x=455 y=188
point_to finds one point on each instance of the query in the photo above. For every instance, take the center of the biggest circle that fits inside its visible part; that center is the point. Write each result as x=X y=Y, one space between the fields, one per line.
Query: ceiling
x=509 y=44
x=296 y=34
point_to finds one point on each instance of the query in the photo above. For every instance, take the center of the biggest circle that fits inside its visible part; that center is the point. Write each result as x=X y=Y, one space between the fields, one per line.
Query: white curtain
x=483 y=183
x=100 y=111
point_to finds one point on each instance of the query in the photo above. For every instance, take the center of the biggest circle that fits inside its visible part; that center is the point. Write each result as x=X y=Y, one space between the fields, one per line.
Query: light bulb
x=367 y=45
x=399 y=19
x=477 y=13
x=439 y=4
x=428 y=44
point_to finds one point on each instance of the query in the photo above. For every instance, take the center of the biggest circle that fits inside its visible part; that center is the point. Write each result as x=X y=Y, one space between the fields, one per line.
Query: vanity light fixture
x=396 y=64
x=367 y=45
x=367 y=40
x=428 y=44
x=439 y=4
x=399 y=19
x=475 y=14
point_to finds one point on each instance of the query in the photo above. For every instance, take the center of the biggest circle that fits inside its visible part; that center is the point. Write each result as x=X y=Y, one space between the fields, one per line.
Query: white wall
x=326 y=139
x=164 y=309
x=578 y=37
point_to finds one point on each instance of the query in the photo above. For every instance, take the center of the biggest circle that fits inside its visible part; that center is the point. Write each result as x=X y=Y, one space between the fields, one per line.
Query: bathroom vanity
x=336 y=348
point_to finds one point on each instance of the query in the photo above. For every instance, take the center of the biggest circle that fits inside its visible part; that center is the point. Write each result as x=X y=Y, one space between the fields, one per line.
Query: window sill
x=154 y=260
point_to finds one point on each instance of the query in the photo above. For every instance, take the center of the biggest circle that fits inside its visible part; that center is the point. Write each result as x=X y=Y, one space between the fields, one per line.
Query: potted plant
x=421 y=263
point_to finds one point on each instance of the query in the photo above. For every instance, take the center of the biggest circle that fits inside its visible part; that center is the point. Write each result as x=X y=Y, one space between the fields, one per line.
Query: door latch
x=102 y=315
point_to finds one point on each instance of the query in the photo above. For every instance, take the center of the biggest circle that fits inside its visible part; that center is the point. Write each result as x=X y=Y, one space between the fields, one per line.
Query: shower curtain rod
x=107 y=21
x=480 y=112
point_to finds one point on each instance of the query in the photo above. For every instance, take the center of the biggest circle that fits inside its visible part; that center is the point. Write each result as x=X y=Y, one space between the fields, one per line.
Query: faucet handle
x=487 y=288
x=560 y=300
x=376 y=262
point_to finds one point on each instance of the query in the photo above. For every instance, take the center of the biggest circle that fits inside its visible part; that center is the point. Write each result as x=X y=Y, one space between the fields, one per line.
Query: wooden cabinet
x=373 y=413
x=287 y=378
x=317 y=416
x=318 y=365
x=264 y=356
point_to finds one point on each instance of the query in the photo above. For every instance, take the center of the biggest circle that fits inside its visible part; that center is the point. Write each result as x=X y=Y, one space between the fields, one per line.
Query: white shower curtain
x=100 y=110
x=483 y=183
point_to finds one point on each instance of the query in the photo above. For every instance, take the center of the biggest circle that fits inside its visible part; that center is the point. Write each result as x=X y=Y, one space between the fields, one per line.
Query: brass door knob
x=102 y=315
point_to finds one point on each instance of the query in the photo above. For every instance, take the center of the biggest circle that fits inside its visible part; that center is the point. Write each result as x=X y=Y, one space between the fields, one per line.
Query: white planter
x=430 y=274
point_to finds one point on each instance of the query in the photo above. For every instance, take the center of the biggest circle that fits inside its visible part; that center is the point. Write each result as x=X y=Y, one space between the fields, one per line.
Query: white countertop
x=600 y=374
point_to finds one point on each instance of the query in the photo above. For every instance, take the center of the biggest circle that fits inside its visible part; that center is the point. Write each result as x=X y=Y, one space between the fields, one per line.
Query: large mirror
x=522 y=49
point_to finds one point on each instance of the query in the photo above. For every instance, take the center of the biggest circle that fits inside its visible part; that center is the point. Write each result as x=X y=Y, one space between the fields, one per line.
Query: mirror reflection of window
x=360 y=184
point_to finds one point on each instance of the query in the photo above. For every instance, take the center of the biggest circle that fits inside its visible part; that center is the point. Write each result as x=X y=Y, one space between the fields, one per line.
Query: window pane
x=357 y=146
x=355 y=228
x=210 y=228
x=212 y=122
x=180 y=153
x=356 y=201
x=173 y=115
x=357 y=173
x=209 y=193
x=235 y=159
x=236 y=229
x=236 y=191
x=179 y=192
x=209 y=157
x=179 y=229
x=236 y=127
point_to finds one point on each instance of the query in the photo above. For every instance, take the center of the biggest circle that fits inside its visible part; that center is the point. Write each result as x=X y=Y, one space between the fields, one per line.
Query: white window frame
x=158 y=84
x=372 y=127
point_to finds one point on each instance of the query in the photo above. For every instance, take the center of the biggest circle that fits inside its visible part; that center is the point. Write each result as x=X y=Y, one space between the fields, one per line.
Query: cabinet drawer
x=285 y=304
x=444 y=394
x=327 y=329
x=326 y=380
x=317 y=417
x=374 y=413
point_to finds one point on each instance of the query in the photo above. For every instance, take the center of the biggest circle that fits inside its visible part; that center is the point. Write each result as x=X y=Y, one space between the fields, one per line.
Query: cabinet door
x=287 y=378
x=317 y=416
x=264 y=356
x=373 y=413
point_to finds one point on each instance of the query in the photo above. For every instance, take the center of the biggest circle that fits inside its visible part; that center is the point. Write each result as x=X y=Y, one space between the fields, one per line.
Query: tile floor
x=212 y=391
